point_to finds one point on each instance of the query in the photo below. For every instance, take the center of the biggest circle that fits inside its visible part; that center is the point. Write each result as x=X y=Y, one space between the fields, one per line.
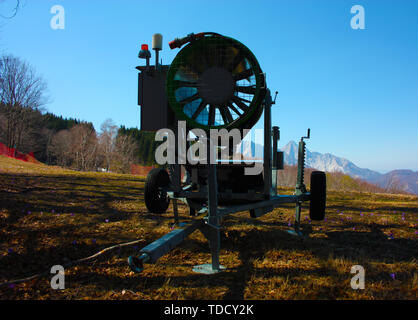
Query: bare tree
x=60 y=148
x=117 y=150
x=124 y=155
x=107 y=137
x=393 y=184
x=77 y=148
x=21 y=92
x=84 y=147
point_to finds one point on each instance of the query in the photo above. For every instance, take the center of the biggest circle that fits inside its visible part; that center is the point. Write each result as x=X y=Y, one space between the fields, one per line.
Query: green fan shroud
x=236 y=104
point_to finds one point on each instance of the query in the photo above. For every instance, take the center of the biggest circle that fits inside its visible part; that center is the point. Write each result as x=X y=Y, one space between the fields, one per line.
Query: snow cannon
x=215 y=82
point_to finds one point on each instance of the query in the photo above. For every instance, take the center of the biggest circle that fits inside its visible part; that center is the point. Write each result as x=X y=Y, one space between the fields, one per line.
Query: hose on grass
x=71 y=263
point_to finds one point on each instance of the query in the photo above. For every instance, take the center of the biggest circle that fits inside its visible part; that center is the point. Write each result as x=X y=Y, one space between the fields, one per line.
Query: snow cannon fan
x=215 y=82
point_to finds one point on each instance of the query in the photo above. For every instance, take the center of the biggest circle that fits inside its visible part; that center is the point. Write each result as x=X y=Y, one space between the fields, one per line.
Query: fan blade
x=190 y=99
x=220 y=52
x=198 y=62
x=249 y=90
x=244 y=100
x=231 y=106
x=238 y=58
x=243 y=75
x=210 y=56
x=199 y=109
x=239 y=103
x=226 y=115
x=185 y=73
x=211 y=120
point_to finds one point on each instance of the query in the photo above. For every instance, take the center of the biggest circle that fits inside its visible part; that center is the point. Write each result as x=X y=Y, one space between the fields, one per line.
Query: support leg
x=298 y=210
x=297 y=216
x=211 y=230
x=176 y=212
x=215 y=247
x=212 y=234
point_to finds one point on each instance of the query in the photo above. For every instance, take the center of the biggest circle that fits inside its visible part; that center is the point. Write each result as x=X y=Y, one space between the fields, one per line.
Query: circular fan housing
x=216 y=82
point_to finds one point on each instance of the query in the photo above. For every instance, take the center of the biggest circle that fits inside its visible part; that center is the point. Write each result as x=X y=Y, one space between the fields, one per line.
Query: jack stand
x=297 y=231
x=212 y=234
x=211 y=229
x=300 y=184
x=177 y=222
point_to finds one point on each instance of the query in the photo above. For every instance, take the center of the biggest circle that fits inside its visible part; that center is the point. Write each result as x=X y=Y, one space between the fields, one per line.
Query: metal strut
x=212 y=226
x=300 y=184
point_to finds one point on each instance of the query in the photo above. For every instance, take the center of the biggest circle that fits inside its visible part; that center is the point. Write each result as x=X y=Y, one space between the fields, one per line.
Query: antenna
x=157 y=45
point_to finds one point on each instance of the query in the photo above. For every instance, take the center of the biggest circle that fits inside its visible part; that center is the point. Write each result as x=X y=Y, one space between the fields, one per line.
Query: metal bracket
x=275 y=96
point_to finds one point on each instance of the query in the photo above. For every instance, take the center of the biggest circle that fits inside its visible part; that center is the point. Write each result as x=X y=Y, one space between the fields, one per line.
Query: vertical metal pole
x=213 y=219
x=176 y=168
x=267 y=145
x=176 y=212
x=211 y=229
x=215 y=246
x=297 y=216
x=275 y=145
x=156 y=59
x=275 y=160
x=300 y=185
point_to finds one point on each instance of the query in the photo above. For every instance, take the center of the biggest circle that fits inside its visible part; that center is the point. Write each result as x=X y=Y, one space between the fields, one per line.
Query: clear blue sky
x=356 y=89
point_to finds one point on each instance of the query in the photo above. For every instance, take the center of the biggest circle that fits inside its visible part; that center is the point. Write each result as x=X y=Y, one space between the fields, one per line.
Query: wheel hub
x=216 y=85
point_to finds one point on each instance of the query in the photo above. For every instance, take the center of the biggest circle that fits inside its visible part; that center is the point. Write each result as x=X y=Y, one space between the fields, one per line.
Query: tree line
x=26 y=127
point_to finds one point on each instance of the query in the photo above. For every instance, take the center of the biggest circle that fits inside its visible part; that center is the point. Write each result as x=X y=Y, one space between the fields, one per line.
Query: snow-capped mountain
x=405 y=179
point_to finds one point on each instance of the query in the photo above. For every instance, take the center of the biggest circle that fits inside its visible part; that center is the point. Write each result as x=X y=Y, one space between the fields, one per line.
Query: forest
x=27 y=127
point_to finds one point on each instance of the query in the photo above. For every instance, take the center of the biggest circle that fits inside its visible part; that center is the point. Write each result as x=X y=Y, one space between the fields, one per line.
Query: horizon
x=356 y=89
x=334 y=155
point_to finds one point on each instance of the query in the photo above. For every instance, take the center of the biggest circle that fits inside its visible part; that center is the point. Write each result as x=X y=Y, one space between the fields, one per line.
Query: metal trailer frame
x=210 y=224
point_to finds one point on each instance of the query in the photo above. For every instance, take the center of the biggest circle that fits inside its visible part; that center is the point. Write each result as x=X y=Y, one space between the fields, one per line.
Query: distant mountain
x=406 y=180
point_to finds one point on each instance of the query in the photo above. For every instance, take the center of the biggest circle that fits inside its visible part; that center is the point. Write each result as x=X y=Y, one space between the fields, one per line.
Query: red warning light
x=144 y=47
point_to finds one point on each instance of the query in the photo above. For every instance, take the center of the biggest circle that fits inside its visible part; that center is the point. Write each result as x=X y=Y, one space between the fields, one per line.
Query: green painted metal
x=225 y=58
x=300 y=183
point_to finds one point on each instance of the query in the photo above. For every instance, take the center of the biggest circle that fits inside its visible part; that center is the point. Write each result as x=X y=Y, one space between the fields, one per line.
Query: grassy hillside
x=336 y=181
x=49 y=216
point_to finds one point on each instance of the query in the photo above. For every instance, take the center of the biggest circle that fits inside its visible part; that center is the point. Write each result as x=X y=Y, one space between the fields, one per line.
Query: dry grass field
x=50 y=216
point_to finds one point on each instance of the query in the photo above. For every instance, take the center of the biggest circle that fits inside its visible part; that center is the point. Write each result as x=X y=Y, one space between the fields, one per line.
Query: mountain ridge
x=404 y=179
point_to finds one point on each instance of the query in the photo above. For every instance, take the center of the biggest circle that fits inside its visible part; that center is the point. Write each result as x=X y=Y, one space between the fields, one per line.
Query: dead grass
x=49 y=216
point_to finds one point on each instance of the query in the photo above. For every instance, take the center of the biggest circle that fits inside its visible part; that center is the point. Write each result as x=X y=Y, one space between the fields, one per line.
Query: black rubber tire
x=156 y=200
x=318 y=195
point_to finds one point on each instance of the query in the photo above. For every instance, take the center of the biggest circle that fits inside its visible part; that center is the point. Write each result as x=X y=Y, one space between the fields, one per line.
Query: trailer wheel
x=318 y=195
x=156 y=199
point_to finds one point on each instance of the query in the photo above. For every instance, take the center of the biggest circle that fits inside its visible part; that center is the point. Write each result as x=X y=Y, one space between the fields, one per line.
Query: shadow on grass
x=380 y=208
x=90 y=195
x=253 y=245
x=21 y=194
